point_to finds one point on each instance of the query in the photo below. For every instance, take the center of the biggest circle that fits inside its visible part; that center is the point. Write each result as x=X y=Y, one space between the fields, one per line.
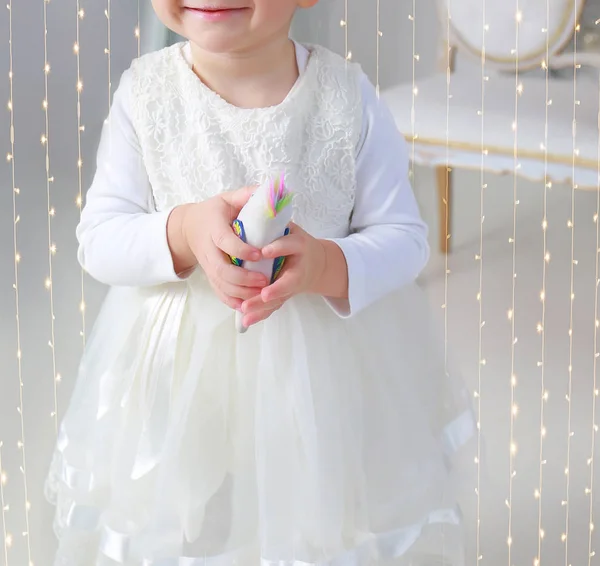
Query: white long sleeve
x=122 y=240
x=388 y=245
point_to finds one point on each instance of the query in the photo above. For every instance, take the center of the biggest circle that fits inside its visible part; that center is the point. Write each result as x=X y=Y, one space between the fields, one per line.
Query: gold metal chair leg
x=444 y=185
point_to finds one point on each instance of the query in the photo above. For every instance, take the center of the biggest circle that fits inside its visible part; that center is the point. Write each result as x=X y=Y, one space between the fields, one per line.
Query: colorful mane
x=279 y=197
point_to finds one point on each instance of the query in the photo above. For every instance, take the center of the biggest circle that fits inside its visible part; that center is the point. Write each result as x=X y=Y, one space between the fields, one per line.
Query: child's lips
x=215 y=13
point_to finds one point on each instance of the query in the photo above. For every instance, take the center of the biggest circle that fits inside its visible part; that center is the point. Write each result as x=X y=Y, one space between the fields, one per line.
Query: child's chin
x=218 y=41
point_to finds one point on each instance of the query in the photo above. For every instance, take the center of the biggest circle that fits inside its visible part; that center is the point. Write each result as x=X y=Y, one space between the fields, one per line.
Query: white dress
x=327 y=434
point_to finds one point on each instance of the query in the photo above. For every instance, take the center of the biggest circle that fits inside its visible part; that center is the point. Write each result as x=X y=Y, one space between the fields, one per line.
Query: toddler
x=326 y=434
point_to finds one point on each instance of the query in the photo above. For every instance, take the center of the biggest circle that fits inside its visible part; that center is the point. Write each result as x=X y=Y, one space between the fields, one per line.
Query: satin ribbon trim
x=381 y=546
x=458 y=432
x=115 y=545
x=74 y=478
x=77 y=479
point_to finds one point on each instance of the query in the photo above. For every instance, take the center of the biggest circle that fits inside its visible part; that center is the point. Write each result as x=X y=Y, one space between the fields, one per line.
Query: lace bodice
x=196 y=145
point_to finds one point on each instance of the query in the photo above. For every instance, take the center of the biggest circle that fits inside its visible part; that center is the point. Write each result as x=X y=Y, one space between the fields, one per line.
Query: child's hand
x=207 y=230
x=305 y=263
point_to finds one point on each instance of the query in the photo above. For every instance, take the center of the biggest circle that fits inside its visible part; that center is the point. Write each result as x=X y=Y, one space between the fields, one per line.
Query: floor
x=564 y=499
x=562 y=508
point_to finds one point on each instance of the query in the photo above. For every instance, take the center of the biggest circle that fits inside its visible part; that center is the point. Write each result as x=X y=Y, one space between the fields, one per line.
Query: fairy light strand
x=3 y=510
x=378 y=49
x=51 y=213
x=411 y=17
x=479 y=258
x=80 y=128
x=542 y=326
x=107 y=51
x=347 y=51
x=137 y=32
x=590 y=489
x=511 y=314
x=17 y=259
x=448 y=48
x=344 y=25
x=571 y=226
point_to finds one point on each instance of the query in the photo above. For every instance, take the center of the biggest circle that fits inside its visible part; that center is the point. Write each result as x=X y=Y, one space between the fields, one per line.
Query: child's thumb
x=237 y=199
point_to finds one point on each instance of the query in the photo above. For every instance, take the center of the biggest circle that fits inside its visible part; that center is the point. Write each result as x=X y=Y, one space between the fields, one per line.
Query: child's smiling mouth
x=215 y=13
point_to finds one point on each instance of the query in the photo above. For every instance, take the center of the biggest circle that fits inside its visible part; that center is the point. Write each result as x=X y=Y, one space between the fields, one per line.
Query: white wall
x=38 y=375
x=321 y=25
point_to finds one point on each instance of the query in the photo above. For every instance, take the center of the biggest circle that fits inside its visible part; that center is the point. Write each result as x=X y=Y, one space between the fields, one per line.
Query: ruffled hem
x=286 y=446
x=81 y=539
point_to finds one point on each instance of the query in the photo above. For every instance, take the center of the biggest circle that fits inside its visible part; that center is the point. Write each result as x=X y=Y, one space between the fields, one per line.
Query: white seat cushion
x=469 y=17
x=464 y=123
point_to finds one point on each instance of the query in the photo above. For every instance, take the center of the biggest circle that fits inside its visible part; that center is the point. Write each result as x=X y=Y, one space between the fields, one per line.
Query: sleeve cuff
x=346 y=308
x=130 y=251
x=161 y=267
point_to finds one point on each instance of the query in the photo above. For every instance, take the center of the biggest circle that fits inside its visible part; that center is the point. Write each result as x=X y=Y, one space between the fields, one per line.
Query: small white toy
x=264 y=219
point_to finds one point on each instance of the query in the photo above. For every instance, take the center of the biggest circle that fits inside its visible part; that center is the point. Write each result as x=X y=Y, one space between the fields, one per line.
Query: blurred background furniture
x=484 y=114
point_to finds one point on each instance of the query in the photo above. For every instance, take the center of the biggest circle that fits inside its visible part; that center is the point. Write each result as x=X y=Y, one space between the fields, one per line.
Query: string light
x=415 y=92
x=107 y=51
x=571 y=226
x=16 y=258
x=344 y=24
x=479 y=258
x=378 y=57
x=511 y=313
x=542 y=324
x=79 y=88
x=3 y=509
x=411 y=17
x=448 y=48
x=137 y=32
x=415 y=58
x=590 y=489
x=51 y=213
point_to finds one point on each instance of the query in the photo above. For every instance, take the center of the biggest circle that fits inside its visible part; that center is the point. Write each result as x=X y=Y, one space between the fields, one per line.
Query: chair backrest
x=472 y=25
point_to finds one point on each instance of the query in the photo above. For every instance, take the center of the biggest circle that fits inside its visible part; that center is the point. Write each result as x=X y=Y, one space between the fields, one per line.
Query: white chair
x=450 y=131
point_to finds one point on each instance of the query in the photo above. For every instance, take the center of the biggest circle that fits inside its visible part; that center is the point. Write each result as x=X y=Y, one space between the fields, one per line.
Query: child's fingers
x=232 y=302
x=227 y=241
x=282 y=289
x=260 y=306
x=239 y=292
x=253 y=304
x=295 y=229
x=259 y=315
x=223 y=273
x=286 y=246
x=238 y=199
x=239 y=276
x=234 y=296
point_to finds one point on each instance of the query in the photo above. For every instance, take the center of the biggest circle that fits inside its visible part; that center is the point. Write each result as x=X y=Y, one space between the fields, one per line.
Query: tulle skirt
x=311 y=439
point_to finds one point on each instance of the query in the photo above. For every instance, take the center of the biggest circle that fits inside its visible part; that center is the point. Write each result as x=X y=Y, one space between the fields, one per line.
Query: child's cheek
x=274 y=14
